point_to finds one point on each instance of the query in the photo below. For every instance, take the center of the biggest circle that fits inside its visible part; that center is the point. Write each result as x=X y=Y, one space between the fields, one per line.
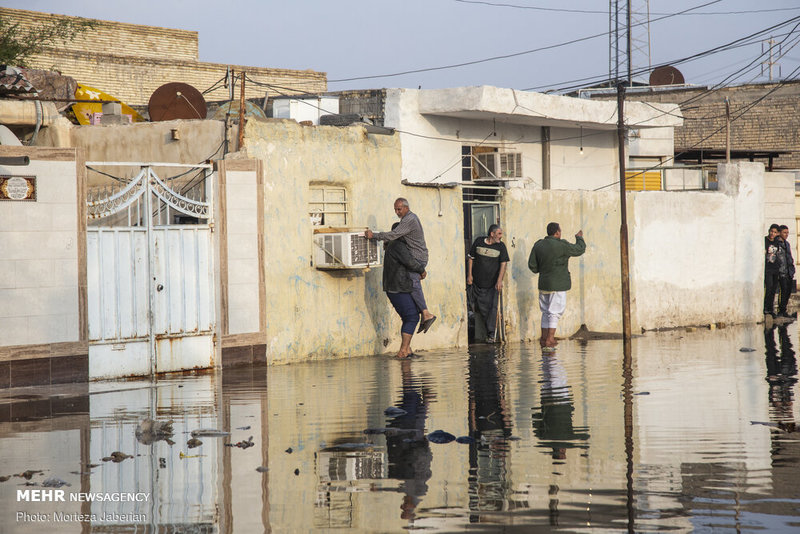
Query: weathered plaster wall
x=39 y=247
x=312 y=313
x=149 y=142
x=596 y=167
x=697 y=257
x=779 y=200
x=594 y=299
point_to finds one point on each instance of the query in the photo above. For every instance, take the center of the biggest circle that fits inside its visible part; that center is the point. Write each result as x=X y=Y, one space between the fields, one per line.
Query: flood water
x=697 y=435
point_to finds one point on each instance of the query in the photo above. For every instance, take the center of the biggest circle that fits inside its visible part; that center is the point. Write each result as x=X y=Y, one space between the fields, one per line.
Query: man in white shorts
x=549 y=258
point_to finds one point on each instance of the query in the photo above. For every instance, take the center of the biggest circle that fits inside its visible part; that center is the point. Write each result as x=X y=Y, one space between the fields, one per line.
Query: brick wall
x=130 y=63
x=768 y=125
x=117 y=37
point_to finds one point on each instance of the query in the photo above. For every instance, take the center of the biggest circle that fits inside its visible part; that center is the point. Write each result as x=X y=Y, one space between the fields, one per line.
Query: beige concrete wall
x=678 y=276
x=39 y=244
x=241 y=199
x=697 y=257
x=594 y=298
x=779 y=199
x=148 y=142
x=312 y=313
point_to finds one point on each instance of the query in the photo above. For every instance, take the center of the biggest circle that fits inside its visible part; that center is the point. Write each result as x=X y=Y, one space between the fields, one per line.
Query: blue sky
x=360 y=38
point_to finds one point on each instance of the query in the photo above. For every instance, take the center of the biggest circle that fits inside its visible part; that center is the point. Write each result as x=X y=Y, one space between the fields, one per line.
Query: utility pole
x=727 y=130
x=241 y=114
x=623 y=209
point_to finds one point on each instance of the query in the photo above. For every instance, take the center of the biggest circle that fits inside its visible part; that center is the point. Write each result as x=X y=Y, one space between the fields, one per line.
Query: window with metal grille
x=510 y=164
x=328 y=206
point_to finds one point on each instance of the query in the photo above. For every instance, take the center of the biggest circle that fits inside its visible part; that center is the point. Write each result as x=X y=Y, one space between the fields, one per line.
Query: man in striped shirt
x=410 y=229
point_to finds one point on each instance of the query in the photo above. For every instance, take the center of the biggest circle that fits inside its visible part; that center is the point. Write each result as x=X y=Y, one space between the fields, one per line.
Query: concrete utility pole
x=241 y=114
x=727 y=130
x=623 y=208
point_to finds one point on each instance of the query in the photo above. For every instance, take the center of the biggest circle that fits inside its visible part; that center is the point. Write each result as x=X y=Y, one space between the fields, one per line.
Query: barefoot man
x=549 y=258
x=411 y=229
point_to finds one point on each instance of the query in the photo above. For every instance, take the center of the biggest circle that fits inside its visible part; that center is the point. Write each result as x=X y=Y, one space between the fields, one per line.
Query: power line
x=603 y=12
x=507 y=56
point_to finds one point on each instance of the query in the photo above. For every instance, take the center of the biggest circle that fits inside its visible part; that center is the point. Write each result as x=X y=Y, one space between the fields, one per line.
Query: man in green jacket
x=549 y=258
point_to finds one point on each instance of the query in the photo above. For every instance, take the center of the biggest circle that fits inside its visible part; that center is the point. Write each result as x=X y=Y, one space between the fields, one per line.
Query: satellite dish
x=176 y=100
x=666 y=75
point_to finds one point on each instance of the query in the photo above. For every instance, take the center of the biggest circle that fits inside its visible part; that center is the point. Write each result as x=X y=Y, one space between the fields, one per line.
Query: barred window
x=328 y=206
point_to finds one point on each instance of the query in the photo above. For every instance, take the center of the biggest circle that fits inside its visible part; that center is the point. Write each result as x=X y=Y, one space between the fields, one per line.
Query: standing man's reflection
x=781 y=376
x=408 y=450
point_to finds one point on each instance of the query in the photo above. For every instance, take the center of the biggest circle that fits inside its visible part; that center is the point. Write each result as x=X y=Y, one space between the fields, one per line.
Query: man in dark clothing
x=486 y=267
x=785 y=276
x=410 y=228
x=397 y=264
x=774 y=259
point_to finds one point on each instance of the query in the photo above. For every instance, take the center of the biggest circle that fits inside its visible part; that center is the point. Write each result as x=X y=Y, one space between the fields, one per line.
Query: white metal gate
x=150 y=275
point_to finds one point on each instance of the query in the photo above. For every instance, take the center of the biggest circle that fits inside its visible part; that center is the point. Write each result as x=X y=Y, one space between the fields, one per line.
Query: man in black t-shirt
x=486 y=267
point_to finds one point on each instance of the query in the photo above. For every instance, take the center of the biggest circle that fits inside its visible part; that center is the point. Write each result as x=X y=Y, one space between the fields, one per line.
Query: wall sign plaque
x=17 y=187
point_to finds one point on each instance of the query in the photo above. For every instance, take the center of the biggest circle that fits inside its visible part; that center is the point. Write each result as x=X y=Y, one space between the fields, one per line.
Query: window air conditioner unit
x=345 y=250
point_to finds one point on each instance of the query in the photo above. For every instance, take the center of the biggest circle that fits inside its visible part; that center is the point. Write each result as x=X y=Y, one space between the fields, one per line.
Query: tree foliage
x=19 y=43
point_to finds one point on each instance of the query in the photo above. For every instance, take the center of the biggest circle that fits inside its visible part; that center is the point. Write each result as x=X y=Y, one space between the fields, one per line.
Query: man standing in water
x=411 y=229
x=550 y=257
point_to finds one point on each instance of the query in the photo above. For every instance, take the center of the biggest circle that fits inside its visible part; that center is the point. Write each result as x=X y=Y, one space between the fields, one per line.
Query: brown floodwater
x=694 y=431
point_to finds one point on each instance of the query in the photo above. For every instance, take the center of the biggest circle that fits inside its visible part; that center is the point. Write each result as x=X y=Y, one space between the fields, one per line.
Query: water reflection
x=590 y=438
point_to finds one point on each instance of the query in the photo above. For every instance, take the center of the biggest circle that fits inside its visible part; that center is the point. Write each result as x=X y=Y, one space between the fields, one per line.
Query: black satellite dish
x=176 y=100
x=666 y=75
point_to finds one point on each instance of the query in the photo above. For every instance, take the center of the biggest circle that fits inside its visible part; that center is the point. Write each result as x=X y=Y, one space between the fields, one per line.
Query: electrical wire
x=604 y=12
x=739 y=115
x=514 y=54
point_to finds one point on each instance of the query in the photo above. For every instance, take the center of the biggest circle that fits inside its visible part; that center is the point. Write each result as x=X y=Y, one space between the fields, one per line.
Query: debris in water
x=244 y=444
x=243 y=427
x=194 y=442
x=296 y=471
x=394 y=411
x=288 y=451
x=642 y=393
x=4 y=478
x=182 y=456
x=117 y=457
x=465 y=439
x=210 y=433
x=54 y=482
x=746 y=349
x=149 y=431
x=440 y=436
x=27 y=475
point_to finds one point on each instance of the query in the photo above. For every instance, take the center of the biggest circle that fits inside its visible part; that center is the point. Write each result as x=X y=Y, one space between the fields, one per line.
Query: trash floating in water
x=27 y=475
x=394 y=411
x=243 y=427
x=182 y=456
x=782 y=425
x=244 y=444
x=440 y=436
x=262 y=469
x=288 y=451
x=296 y=471
x=209 y=433
x=642 y=393
x=747 y=349
x=465 y=439
x=149 y=431
x=117 y=457
x=194 y=442
x=55 y=482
